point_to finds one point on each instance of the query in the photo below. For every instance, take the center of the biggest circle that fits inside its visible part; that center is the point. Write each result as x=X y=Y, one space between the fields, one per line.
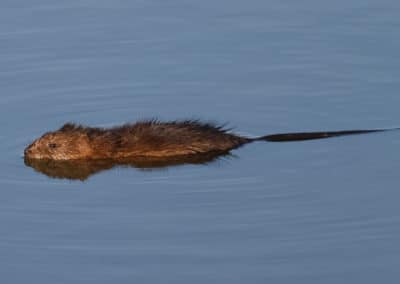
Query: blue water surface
x=323 y=211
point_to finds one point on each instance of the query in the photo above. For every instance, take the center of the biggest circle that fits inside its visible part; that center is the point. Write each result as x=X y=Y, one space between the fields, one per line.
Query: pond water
x=323 y=211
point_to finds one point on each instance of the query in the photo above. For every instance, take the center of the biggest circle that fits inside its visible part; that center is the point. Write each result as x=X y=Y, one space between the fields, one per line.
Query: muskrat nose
x=27 y=151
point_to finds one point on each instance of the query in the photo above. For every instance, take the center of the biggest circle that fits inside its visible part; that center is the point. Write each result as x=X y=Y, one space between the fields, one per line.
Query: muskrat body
x=142 y=139
x=153 y=139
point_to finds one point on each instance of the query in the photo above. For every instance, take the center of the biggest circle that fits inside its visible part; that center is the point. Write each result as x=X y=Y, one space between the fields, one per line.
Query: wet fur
x=149 y=138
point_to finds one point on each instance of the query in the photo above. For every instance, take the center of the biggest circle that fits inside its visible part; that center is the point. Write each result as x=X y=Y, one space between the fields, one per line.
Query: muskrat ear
x=67 y=127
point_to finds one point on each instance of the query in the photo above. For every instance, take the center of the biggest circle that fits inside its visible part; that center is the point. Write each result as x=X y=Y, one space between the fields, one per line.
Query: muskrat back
x=145 y=138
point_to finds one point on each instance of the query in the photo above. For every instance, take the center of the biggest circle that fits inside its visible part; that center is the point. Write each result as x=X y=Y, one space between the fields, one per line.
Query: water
x=309 y=212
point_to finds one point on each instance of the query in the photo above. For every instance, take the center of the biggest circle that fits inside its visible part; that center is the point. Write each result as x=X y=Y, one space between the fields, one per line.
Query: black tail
x=300 y=136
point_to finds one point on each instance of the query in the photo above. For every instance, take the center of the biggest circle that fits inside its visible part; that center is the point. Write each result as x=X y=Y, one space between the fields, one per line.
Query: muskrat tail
x=300 y=136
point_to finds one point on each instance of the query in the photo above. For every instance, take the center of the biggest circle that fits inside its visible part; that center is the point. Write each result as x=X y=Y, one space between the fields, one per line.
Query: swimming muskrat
x=152 y=139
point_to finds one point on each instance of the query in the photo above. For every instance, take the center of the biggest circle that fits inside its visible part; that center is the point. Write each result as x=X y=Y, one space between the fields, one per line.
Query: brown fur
x=149 y=138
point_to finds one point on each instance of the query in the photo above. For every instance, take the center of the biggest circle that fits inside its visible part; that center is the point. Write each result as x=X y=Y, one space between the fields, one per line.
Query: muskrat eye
x=52 y=145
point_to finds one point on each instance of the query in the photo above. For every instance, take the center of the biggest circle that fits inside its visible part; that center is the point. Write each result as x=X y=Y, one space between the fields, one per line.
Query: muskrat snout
x=28 y=151
x=31 y=150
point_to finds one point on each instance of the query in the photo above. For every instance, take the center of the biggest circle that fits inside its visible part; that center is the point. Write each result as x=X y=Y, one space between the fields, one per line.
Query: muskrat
x=152 y=139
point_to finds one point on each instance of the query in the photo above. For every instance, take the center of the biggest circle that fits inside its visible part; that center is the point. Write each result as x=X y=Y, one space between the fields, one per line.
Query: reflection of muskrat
x=83 y=169
x=151 y=139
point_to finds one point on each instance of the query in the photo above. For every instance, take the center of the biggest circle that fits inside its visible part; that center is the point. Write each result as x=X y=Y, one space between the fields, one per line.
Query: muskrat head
x=67 y=143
